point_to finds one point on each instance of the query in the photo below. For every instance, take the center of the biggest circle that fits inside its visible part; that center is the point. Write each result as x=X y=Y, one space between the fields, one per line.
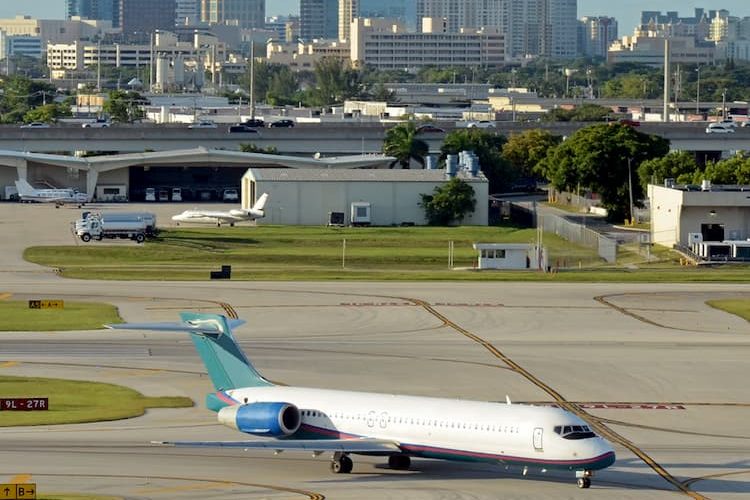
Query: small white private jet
x=28 y=193
x=217 y=217
x=345 y=423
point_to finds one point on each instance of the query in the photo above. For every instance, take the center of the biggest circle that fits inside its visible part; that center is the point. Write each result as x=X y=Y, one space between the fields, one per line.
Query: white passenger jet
x=27 y=192
x=399 y=427
x=217 y=217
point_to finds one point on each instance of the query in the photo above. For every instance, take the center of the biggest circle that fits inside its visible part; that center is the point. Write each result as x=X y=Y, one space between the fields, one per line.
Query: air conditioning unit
x=360 y=215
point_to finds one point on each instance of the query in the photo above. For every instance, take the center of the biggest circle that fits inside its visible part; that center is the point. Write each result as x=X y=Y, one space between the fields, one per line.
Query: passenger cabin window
x=574 y=431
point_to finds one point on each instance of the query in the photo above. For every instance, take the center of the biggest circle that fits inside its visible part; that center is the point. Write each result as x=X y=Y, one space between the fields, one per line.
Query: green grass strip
x=738 y=307
x=74 y=401
x=16 y=316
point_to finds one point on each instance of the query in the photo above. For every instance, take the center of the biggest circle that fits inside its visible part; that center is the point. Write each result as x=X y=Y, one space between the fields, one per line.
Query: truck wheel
x=86 y=237
x=139 y=238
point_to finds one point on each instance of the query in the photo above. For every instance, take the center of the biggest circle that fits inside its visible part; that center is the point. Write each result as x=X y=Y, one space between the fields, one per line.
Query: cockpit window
x=574 y=431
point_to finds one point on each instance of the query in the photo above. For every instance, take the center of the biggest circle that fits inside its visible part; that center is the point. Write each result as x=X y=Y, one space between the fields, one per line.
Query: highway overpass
x=306 y=140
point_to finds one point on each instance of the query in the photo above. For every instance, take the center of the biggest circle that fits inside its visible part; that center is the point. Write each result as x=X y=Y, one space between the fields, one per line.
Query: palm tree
x=402 y=143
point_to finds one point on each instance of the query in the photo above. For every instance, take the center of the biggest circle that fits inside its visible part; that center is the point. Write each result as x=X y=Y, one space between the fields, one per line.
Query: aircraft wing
x=365 y=445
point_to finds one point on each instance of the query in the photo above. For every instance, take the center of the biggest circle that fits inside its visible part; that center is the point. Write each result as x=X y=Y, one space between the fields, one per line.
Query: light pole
x=698 y=92
x=630 y=191
x=724 y=105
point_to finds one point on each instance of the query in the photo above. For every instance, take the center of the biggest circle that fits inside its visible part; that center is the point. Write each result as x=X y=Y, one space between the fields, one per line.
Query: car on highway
x=35 y=125
x=98 y=123
x=728 y=122
x=203 y=124
x=720 y=128
x=254 y=122
x=430 y=129
x=241 y=128
x=481 y=124
x=629 y=122
x=282 y=124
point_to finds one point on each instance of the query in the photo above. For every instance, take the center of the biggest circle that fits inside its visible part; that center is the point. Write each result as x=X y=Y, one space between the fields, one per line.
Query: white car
x=36 y=125
x=720 y=128
x=98 y=123
x=203 y=124
x=230 y=195
x=481 y=124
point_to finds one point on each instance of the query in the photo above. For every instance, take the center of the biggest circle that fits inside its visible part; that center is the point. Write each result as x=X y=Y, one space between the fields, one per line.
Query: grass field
x=284 y=253
x=739 y=307
x=75 y=316
x=72 y=401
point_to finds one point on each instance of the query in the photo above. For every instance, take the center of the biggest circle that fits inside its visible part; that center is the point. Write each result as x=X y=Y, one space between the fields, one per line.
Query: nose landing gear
x=583 y=478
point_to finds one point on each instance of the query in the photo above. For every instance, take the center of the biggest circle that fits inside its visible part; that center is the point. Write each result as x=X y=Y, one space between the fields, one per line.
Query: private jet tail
x=24 y=188
x=261 y=203
x=227 y=365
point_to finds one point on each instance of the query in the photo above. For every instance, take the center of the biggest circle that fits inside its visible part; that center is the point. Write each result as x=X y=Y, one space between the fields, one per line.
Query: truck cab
x=176 y=194
x=150 y=194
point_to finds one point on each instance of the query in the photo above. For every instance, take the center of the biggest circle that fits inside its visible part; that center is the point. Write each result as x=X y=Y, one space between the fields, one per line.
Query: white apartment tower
x=347 y=13
x=532 y=27
x=597 y=34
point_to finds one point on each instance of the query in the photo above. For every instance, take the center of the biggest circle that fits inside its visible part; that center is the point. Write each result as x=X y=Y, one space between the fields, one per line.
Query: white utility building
x=510 y=256
x=387 y=197
x=686 y=216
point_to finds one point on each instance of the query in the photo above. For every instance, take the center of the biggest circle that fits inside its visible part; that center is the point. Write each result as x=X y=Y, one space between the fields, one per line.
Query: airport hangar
x=305 y=191
x=201 y=173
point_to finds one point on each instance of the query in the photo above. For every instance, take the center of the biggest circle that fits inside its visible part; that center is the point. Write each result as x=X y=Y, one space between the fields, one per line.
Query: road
x=650 y=363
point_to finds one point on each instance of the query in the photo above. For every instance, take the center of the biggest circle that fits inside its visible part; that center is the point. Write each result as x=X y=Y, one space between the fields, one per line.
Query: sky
x=627 y=12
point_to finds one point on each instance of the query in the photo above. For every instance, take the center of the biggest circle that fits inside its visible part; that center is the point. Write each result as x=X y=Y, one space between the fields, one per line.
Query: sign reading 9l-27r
x=24 y=404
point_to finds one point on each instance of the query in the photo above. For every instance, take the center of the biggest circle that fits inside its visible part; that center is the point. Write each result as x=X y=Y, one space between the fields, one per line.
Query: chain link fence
x=577 y=233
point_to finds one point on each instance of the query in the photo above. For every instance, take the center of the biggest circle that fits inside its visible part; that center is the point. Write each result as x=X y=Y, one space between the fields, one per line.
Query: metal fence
x=577 y=233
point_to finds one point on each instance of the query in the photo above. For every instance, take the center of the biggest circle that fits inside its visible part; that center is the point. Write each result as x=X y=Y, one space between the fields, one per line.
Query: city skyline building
x=140 y=18
x=347 y=13
x=187 y=12
x=319 y=19
x=243 y=13
x=597 y=34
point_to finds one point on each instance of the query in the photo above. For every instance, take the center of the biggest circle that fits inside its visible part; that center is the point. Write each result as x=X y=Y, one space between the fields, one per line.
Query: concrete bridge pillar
x=92 y=178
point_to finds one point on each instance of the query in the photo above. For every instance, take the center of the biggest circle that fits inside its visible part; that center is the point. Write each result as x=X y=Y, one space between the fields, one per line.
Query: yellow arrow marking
x=9 y=364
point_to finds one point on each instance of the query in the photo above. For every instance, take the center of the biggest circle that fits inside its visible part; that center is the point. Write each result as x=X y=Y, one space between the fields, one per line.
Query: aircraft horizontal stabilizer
x=199 y=327
x=374 y=446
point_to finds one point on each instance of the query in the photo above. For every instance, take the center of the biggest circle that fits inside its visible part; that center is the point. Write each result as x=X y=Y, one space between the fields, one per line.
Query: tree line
x=609 y=159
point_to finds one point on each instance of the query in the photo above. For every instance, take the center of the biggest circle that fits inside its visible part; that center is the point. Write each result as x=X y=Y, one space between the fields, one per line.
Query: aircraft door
x=538 y=439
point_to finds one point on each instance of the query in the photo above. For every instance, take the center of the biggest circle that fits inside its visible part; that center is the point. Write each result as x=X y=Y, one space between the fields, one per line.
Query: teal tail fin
x=212 y=336
x=227 y=365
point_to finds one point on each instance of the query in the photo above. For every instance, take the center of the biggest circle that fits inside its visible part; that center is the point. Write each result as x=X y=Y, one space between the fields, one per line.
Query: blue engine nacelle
x=262 y=419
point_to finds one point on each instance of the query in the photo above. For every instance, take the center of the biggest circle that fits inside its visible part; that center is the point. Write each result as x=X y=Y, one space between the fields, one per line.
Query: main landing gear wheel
x=584 y=482
x=399 y=462
x=341 y=464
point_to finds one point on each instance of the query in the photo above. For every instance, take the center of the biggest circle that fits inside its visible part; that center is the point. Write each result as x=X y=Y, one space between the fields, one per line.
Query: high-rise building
x=560 y=28
x=139 y=18
x=242 y=13
x=347 y=13
x=92 y=9
x=531 y=27
x=319 y=19
x=187 y=12
x=402 y=10
x=596 y=35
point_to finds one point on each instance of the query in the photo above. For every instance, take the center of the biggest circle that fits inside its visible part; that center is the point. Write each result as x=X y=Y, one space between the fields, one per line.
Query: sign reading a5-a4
x=46 y=304
x=24 y=404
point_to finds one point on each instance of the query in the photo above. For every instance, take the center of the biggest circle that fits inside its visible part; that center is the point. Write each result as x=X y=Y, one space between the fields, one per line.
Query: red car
x=629 y=122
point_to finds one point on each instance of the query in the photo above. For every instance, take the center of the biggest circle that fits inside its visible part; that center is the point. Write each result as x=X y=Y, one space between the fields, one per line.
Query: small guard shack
x=510 y=256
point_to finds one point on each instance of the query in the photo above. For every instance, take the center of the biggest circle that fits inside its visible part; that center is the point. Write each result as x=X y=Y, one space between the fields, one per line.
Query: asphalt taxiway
x=652 y=364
